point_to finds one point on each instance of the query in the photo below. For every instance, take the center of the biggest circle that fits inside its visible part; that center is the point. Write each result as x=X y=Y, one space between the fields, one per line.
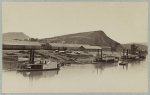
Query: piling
x=127 y=53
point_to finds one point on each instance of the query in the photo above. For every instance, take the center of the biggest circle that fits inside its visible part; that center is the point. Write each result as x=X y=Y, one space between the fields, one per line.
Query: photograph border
x=126 y=93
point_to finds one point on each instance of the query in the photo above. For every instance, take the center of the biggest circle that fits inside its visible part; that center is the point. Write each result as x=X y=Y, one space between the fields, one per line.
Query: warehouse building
x=75 y=47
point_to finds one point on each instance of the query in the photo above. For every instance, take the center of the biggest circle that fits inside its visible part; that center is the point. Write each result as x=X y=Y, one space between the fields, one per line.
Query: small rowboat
x=122 y=63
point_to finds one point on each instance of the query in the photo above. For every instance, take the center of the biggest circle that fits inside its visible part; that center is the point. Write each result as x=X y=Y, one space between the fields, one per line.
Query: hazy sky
x=123 y=22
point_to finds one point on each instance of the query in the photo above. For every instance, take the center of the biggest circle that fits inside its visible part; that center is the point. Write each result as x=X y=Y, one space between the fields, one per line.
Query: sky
x=124 y=22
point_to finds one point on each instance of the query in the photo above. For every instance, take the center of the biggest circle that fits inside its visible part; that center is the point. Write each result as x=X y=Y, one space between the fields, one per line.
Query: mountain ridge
x=93 y=38
x=98 y=38
x=15 y=36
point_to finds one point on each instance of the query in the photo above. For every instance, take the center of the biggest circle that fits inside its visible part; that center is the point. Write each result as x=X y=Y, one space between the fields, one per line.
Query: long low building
x=20 y=45
x=26 y=45
x=76 y=47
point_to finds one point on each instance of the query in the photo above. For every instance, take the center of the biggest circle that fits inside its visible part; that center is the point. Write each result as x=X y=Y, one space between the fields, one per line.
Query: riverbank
x=11 y=58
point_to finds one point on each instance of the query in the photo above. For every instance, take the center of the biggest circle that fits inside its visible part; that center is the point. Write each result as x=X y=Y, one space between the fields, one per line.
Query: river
x=79 y=78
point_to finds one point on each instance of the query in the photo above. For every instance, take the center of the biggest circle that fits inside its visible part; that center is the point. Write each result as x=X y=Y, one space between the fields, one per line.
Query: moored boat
x=122 y=63
x=40 y=66
x=107 y=59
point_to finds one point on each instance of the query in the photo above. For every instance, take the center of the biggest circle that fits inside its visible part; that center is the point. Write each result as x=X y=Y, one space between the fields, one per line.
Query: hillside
x=95 y=38
x=14 y=36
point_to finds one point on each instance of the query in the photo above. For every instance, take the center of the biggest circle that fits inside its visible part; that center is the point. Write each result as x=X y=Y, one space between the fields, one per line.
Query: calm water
x=80 y=78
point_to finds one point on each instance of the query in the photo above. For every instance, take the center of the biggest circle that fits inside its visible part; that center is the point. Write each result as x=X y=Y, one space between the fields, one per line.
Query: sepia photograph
x=74 y=47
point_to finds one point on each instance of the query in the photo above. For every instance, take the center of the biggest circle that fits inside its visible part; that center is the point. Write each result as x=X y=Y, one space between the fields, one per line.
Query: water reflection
x=80 y=78
x=103 y=66
x=100 y=67
x=133 y=63
x=34 y=75
x=125 y=66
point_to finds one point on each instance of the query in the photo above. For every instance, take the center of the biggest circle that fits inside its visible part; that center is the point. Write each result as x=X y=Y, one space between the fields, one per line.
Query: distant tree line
x=114 y=46
x=31 y=39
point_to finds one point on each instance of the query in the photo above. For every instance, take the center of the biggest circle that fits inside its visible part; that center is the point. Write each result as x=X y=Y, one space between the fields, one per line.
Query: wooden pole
x=127 y=52
x=31 y=56
x=98 y=53
x=101 y=54
x=30 y=60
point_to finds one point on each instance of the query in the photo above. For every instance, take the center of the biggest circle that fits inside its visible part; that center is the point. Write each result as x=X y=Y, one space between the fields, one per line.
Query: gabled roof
x=92 y=47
